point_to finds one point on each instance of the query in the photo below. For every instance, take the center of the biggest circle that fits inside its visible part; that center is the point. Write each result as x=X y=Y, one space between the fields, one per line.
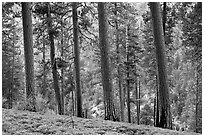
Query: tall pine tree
x=105 y=66
x=28 y=52
x=159 y=43
x=76 y=59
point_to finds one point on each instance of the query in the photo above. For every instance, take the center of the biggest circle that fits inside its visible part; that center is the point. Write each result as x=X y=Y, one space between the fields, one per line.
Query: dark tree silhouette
x=53 y=61
x=160 y=56
x=76 y=60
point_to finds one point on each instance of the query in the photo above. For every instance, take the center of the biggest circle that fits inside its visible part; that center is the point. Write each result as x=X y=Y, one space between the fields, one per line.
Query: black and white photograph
x=101 y=68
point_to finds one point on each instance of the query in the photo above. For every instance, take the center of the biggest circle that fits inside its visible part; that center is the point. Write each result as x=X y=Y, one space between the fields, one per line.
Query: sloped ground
x=30 y=123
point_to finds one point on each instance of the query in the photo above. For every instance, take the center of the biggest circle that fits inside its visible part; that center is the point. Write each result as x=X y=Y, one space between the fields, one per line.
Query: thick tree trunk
x=164 y=28
x=76 y=60
x=53 y=62
x=160 y=54
x=118 y=69
x=28 y=52
x=105 y=67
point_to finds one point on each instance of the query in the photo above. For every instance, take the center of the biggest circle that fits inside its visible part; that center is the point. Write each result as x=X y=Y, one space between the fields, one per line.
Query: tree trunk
x=11 y=91
x=155 y=110
x=105 y=67
x=76 y=60
x=137 y=100
x=73 y=104
x=164 y=28
x=44 y=69
x=53 y=61
x=128 y=74
x=196 y=104
x=62 y=69
x=160 y=54
x=138 y=103
x=118 y=68
x=198 y=99
x=157 y=102
x=28 y=53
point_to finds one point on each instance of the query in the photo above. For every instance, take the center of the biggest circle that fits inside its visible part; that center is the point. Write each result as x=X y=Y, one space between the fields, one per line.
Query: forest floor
x=15 y=122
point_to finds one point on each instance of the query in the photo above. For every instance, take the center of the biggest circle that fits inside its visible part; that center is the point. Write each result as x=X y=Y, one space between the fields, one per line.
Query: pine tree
x=76 y=59
x=28 y=52
x=160 y=56
x=51 y=32
x=118 y=67
x=105 y=67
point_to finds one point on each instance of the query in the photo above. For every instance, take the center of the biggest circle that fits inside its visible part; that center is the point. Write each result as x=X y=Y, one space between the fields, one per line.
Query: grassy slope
x=30 y=123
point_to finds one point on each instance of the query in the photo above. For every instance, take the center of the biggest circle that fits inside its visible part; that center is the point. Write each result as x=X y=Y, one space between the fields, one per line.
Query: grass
x=15 y=122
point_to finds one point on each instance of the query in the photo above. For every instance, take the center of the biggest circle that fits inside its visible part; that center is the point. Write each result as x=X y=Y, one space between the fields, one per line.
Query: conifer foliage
x=133 y=62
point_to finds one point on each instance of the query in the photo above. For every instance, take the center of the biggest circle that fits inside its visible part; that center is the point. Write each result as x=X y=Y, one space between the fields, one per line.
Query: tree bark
x=128 y=74
x=62 y=69
x=28 y=53
x=105 y=67
x=118 y=68
x=155 y=110
x=44 y=69
x=160 y=54
x=138 y=103
x=76 y=60
x=137 y=99
x=164 y=28
x=53 y=61
x=197 y=100
x=73 y=104
x=11 y=91
x=157 y=102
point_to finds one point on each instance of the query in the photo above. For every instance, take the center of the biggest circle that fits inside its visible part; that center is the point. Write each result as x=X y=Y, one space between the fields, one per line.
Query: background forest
x=74 y=74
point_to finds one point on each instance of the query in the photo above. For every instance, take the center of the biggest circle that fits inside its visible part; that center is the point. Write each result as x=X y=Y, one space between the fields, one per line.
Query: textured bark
x=121 y=95
x=44 y=69
x=164 y=28
x=28 y=53
x=128 y=74
x=62 y=69
x=138 y=103
x=155 y=111
x=197 y=102
x=12 y=77
x=76 y=60
x=160 y=56
x=53 y=62
x=157 y=102
x=105 y=67
x=73 y=104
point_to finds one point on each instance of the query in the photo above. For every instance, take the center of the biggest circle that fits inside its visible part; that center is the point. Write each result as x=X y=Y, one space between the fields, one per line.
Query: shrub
x=41 y=104
x=20 y=105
